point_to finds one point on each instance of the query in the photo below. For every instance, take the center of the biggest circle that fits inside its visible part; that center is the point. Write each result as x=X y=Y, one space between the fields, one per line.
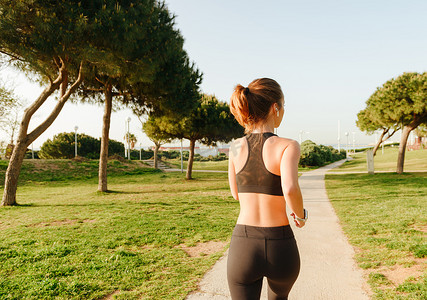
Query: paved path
x=328 y=271
x=376 y=172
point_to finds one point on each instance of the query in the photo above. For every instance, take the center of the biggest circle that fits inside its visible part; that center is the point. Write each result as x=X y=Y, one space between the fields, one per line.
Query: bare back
x=280 y=157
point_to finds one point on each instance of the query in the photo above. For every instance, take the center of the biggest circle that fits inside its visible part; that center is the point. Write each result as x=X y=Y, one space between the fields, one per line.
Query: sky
x=328 y=56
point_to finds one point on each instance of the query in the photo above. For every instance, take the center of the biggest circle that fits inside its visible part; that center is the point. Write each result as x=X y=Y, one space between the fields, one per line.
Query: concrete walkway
x=328 y=271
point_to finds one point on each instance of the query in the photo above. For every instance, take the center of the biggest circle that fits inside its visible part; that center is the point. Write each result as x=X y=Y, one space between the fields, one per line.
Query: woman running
x=263 y=176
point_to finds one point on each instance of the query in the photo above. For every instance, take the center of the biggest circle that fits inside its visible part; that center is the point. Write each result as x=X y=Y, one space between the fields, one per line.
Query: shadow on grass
x=116 y=192
x=141 y=204
x=17 y=205
x=25 y=205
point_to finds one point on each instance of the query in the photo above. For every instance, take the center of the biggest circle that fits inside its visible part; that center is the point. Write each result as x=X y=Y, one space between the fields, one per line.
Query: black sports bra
x=254 y=176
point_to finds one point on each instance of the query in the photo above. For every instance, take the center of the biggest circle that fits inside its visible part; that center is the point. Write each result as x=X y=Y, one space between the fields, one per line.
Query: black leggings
x=256 y=252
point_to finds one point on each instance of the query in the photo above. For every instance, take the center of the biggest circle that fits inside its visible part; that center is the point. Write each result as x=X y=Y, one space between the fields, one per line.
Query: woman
x=263 y=176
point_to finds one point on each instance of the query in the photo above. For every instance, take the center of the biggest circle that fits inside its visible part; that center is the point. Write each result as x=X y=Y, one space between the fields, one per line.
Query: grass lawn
x=152 y=237
x=200 y=165
x=215 y=165
x=49 y=170
x=385 y=218
x=414 y=161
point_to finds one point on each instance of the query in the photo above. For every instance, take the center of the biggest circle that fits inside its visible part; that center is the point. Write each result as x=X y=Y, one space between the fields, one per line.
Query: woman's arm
x=232 y=175
x=289 y=176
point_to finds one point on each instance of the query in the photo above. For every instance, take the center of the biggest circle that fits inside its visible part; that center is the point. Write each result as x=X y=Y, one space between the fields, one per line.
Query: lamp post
x=75 y=140
x=354 y=148
x=140 y=150
x=126 y=149
x=346 y=134
x=128 y=138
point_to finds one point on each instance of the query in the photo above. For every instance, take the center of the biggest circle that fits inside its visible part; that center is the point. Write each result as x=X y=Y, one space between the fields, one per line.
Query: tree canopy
x=39 y=37
x=123 y=48
x=401 y=103
x=48 y=41
x=210 y=122
x=370 y=121
x=142 y=64
x=156 y=130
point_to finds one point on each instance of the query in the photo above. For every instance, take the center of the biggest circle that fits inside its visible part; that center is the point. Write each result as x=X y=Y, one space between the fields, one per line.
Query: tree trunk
x=402 y=148
x=404 y=139
x=25 y=139
x=382 y=139
x=103 y=156
x=379 y=142
x=12 y=175
x=190 y=160
x=156 y=150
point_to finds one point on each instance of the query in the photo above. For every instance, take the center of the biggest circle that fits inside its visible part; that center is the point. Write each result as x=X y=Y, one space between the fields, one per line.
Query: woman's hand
x=298 y=223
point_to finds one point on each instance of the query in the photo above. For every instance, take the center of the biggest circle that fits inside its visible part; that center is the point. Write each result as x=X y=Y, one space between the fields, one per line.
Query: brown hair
x=250 y=106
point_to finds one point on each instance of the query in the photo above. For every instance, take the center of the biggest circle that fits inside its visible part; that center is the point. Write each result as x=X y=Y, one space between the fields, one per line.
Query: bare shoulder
x=290 y=150
x=285 y=143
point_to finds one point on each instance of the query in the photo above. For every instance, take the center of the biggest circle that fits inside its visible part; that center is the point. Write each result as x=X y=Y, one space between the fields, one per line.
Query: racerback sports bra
x=254 y=176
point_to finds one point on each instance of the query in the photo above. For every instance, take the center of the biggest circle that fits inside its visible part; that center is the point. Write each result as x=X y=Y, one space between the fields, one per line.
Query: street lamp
x=126 y=149
x=128 y=138
x=346 y=134
x=75 y=140
x=354 y=148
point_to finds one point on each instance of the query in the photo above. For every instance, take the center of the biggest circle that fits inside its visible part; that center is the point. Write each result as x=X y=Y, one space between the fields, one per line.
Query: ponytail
x=250 y=106
x=239 y=105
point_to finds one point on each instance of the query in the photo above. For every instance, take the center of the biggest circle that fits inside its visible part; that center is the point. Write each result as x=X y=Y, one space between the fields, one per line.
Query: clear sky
x=328 y=56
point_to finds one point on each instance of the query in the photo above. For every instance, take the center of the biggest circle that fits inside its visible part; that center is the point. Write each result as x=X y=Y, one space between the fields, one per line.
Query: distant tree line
x=62 y=146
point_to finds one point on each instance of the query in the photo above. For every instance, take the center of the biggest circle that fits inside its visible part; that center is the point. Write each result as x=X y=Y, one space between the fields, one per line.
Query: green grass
x=48 y=170
x=385 y=218
x=66 y=241
x=200 y=165
x=414 y=161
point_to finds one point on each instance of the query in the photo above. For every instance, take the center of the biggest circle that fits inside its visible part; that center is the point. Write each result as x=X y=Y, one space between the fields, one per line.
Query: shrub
x=145 y=154
x=169 y=154
x=318 y=155
x=63 y=146
x=29 y=154
x=310 y=154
